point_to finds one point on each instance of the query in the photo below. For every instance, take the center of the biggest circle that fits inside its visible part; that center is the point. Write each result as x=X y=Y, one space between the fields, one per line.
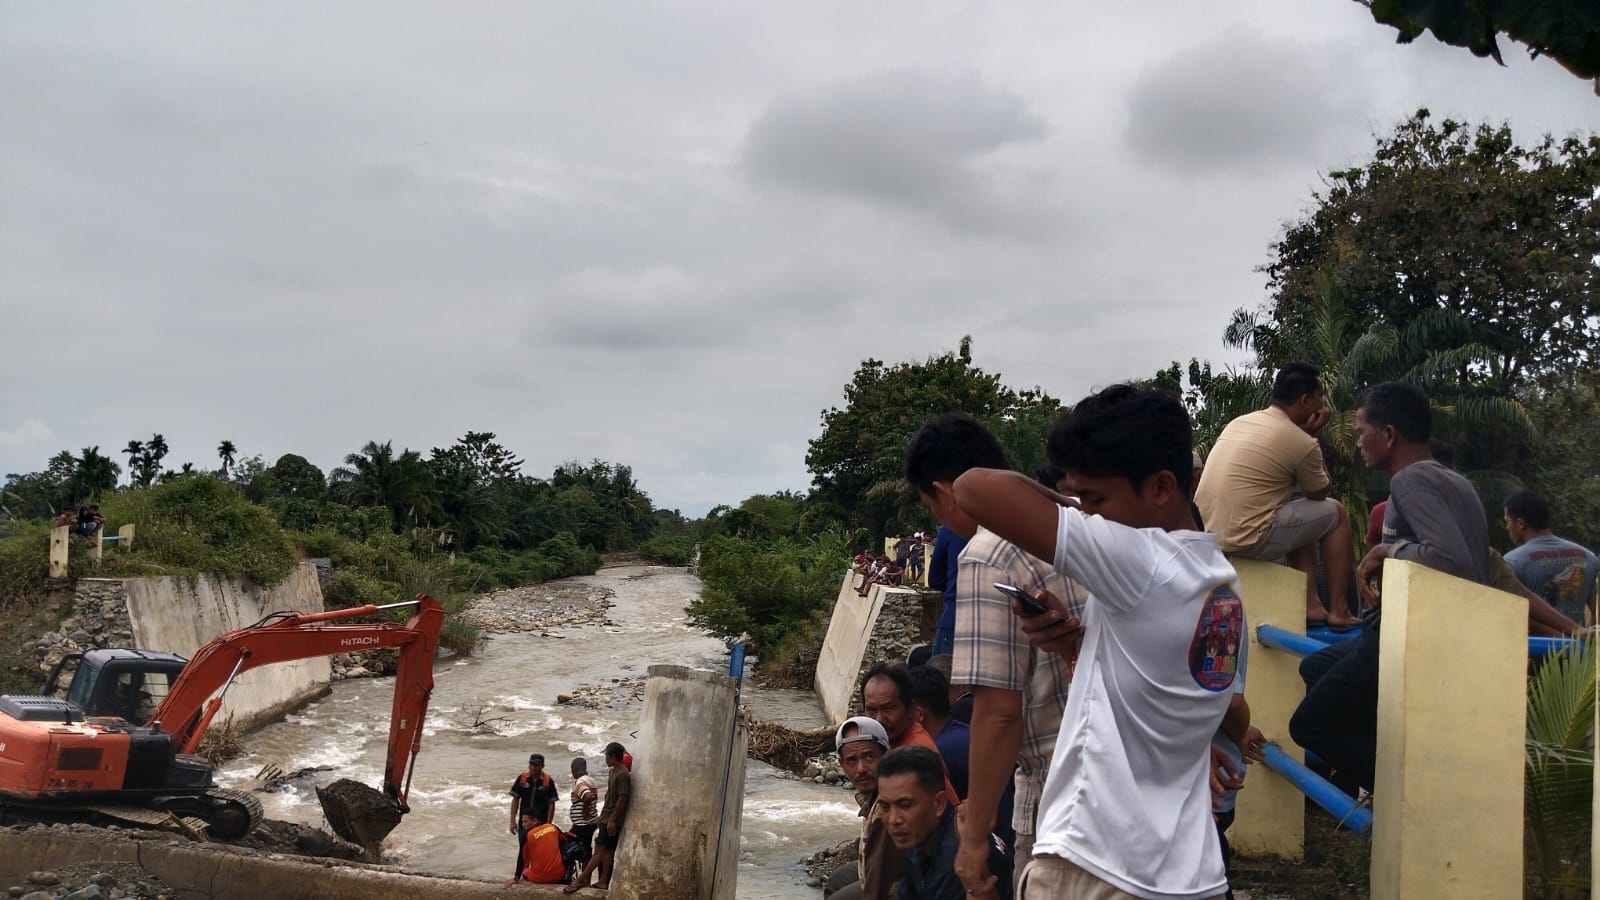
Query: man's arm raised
x=1013 y=506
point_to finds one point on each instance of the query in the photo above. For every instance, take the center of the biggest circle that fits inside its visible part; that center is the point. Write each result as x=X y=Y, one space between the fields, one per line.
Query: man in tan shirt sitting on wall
x=1264 y=492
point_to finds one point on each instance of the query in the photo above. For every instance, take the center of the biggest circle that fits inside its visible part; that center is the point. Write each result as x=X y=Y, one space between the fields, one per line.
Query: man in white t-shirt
x=1126 y=810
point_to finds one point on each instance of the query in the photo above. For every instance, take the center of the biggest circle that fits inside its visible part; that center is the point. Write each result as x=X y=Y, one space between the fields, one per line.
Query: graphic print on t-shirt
x=1214 y=652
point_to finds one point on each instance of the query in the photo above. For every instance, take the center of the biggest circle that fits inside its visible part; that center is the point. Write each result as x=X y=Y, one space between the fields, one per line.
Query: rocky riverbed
x=539 y=607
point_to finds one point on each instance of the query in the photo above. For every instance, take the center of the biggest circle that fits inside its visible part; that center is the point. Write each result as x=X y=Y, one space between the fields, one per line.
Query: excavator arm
x=197 y=693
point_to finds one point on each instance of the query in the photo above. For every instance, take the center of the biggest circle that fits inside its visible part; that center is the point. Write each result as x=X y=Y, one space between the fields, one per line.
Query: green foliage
x=1566 y=413
x=197 y=523
x=766 y=588
x=668 y=550
x=858 y=462
x=1559 y=777
x=1567 y=31
x=1449 y=217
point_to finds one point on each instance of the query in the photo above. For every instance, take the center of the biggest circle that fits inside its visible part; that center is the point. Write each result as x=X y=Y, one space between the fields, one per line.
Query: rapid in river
x=459 y=801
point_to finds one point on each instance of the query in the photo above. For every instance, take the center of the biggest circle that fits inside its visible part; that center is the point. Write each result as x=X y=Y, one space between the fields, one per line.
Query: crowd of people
x=1079 y=727
x=584 y=855
x=86 y=524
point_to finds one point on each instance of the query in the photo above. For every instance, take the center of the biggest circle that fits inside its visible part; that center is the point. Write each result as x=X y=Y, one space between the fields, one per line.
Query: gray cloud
x=1243 y=101
x=925 y=140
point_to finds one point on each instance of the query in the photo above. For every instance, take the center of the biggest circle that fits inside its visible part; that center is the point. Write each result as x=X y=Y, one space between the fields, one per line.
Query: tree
x=135 y=451
x=94 y=474
x=857 y=463
x=226 y=452
x=1458 y=218
x=376 y=477
x=1567 y=31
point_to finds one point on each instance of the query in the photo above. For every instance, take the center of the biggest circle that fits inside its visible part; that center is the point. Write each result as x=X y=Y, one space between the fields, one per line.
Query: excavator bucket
x=359 y=814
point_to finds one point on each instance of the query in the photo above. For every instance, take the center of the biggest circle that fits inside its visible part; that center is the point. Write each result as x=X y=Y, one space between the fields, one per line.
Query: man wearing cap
x=533 y=793
x=861 y=742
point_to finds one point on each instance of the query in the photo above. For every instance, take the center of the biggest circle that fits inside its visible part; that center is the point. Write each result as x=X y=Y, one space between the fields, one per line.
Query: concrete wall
x=208 y=870
x=178 y=615
x=1452 y=709
x=883 y=625
x=688 y=773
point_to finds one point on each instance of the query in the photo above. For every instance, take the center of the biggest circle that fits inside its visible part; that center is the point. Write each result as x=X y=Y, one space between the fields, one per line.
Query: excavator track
x=234 y=813
x=229 y=814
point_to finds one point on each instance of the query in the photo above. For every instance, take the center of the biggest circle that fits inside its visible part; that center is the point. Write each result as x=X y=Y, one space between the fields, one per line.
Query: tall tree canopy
x=1451 y=217
x=857 y=463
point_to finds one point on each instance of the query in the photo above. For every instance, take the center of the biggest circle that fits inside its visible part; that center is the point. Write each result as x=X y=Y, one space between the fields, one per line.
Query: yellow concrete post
x=1270 y=813
x=97 y=544
x=1452 y=710
x=60 y=547
x=126 y=533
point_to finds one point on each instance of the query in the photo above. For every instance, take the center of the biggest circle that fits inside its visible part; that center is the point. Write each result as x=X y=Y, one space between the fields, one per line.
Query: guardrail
x=61 y=545
x=1452 y=699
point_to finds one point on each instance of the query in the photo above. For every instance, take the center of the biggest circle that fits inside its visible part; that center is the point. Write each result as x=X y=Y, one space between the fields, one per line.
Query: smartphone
x=1034 y=607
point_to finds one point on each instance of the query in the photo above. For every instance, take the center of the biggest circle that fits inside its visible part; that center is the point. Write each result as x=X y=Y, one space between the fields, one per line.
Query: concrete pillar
x=60 y=546
x=126 y=533
x=97 y=544
x=688 y=771
x=1452 y=711
x=1270 y=813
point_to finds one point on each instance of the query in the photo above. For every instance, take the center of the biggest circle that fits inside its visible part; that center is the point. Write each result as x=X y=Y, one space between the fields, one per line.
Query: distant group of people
x=908 y=563
x=548 y=855
x=1096 y=632
x=86 y=524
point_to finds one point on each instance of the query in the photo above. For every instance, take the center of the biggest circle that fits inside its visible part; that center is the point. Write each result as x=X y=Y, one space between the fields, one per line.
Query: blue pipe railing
x=1317 y=638
x=736 y=662
x=1351 y=815
x=1287 y=641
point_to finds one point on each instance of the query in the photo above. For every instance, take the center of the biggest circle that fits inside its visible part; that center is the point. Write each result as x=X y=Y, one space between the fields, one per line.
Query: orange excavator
x=121 y=744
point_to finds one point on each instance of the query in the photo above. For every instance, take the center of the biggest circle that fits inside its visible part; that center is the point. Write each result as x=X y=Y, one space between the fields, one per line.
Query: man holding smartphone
x=1018 y=691
x=1127 y=807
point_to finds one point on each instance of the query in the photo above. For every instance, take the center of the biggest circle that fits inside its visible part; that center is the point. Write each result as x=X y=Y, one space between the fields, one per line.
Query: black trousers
x=1338 y=719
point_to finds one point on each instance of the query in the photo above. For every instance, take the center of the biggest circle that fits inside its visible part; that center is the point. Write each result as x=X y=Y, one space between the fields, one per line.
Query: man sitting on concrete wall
x=1434 y=518
x=1248 y=492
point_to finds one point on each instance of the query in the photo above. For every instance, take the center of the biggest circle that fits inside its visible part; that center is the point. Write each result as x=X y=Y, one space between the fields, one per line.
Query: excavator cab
x=126 y=684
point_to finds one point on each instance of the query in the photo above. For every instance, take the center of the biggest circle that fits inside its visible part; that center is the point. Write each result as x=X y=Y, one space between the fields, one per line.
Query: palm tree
x=94 y=474
x=376 y=477
x=226 y=451
x=135 y=451
x=1559 y=775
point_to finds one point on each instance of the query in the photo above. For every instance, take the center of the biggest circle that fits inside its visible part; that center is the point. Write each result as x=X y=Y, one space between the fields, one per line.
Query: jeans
x=1338 y=719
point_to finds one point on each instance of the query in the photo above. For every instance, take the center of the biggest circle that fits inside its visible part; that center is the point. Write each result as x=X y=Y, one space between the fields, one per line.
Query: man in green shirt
x=619 y=789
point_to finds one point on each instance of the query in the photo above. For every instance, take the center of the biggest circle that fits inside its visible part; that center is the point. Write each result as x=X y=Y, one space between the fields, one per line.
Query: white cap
x=868 y=729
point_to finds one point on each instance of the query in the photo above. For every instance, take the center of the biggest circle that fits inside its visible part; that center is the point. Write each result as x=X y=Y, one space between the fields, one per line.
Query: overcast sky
x=664 y=234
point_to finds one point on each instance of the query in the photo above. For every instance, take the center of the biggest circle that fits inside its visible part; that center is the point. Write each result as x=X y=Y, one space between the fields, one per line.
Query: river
x=459 y=804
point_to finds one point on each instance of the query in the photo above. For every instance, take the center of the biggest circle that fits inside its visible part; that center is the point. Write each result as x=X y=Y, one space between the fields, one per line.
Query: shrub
x=668 y=550
x=765 y=589
x=199 y=524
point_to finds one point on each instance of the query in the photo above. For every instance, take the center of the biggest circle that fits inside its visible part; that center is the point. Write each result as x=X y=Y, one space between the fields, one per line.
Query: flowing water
x=459 y=804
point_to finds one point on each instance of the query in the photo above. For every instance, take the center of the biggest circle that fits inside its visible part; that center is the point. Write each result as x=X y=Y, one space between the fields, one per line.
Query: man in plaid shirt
x=1018 y=691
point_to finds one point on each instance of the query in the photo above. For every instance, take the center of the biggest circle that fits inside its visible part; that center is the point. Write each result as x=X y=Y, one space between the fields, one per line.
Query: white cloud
x=31 y=433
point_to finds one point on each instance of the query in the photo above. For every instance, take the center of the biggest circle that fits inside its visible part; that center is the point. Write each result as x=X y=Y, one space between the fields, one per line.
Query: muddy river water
x=459 y=804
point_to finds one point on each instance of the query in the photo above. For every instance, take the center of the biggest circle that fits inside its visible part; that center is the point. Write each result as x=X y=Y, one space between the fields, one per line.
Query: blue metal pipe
x=1351 y=815
x=1318 y=638
x=1287 y=641
x=736 y=663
